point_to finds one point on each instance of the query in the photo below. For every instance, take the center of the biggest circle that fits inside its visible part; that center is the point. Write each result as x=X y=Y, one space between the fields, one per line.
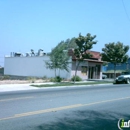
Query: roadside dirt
x=21 y=81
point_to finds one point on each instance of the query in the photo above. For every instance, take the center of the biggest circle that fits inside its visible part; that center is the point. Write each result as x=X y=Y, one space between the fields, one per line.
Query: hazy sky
x=35 y=24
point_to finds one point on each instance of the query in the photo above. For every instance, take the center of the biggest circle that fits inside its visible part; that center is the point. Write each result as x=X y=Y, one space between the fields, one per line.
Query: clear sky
x=35 y=24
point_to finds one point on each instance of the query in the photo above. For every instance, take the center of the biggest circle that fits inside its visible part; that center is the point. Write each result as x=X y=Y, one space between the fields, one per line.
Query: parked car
x=123 y=78
x=104 y=76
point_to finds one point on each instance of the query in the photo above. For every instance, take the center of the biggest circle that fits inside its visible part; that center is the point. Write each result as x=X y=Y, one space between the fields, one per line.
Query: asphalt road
x=70 y=108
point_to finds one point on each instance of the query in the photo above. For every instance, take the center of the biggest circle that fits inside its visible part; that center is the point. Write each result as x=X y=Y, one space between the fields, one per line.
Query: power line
x=125 y=10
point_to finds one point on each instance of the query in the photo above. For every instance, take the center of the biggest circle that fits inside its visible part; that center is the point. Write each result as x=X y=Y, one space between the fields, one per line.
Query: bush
x=31 y=79
x=52 y=79
x=44 y=77
x=77 y=78
x=56 y=79
x=5 y=77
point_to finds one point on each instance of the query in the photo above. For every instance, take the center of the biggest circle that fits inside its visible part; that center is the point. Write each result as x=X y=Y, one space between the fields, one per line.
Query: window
x=84 y=70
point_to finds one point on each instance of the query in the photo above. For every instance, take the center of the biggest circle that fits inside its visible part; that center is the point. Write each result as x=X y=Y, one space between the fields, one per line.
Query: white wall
x=30 y=66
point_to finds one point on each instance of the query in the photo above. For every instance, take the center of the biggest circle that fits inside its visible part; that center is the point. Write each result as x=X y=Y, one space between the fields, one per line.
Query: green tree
x=84 y=43
x=115 y=53
x=72 y=43
x=59 y=59
x=68 y=43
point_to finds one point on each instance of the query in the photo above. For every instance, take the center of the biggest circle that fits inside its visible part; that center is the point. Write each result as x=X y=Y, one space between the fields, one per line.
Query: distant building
x=109 y=69
x=18 y=64
x=1 y=71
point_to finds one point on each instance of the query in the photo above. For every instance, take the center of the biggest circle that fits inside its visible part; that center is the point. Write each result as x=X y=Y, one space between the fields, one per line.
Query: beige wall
x=92 y=70
x=79 y=73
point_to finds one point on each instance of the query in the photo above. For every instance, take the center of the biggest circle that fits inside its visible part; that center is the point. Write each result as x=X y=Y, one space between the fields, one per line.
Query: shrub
x=44 y=77
x=77 y=78
x=31 y=79
x=56 y=79
x=5 y=77
x=52 y=79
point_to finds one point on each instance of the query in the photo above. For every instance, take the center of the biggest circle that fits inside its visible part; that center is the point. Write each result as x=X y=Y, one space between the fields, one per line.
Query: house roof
x=97 y=61
x=95 y=55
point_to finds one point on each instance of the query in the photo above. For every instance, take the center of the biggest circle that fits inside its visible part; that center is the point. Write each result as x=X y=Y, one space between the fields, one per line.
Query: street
x=71 y=108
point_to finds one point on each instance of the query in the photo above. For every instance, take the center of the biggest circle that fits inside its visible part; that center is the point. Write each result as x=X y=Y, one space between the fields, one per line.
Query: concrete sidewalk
x=19 y=87
x=15 y=87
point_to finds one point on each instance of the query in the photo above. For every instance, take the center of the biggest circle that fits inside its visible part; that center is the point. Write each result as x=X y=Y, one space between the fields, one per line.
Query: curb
x=22 y=87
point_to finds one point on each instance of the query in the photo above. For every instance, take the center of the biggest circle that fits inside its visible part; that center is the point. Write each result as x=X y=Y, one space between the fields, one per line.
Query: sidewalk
x=18 y=87
x=15 y=87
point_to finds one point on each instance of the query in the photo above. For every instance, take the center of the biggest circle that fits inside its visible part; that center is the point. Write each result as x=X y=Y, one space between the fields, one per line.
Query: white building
x=30 y=66
x=19 y=65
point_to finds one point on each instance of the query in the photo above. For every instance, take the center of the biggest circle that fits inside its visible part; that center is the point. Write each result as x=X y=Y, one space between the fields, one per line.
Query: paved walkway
x=18 y=87
x=15 y=87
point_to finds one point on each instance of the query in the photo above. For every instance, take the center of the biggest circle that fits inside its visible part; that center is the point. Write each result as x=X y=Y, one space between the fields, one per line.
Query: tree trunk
x=59 y=72
x=55 y=72
x=76 y=71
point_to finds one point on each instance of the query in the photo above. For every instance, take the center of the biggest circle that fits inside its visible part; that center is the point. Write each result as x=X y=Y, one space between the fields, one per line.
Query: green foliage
x=70 y=43
x=31 y=79
x=115 y=53
x=5 y=77
x=84 y=43
x=105 y=63
x=56 y=79
x=58 y=58
x=44 y=78
x=76 y=78
x=52 y=79
x=1 y=71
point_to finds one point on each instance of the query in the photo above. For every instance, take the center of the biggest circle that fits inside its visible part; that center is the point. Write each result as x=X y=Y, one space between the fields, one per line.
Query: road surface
x=71 y=108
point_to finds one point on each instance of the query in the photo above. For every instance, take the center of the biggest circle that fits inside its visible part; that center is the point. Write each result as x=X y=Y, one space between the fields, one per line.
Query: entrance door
x=91 y=72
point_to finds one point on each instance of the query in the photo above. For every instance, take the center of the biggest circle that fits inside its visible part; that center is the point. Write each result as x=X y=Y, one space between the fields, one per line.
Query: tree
x=68 y=43
x=115 y=53
x=58 y=58
x=84 y=43
x=71 y=43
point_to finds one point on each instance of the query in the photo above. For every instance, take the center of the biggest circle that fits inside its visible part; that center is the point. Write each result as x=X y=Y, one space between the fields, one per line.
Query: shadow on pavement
x=86 y=120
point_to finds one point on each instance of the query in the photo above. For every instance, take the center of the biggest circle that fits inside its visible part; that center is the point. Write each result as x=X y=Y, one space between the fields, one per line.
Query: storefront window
x=84 y=70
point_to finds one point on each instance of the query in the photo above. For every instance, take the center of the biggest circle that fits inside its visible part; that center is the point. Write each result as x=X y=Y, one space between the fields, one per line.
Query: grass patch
x=71 y=84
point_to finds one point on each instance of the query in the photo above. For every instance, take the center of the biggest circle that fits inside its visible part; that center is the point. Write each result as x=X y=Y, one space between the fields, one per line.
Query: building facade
x=31 y=66
x=109 y=69
x=34 y=65
x=89 y=68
